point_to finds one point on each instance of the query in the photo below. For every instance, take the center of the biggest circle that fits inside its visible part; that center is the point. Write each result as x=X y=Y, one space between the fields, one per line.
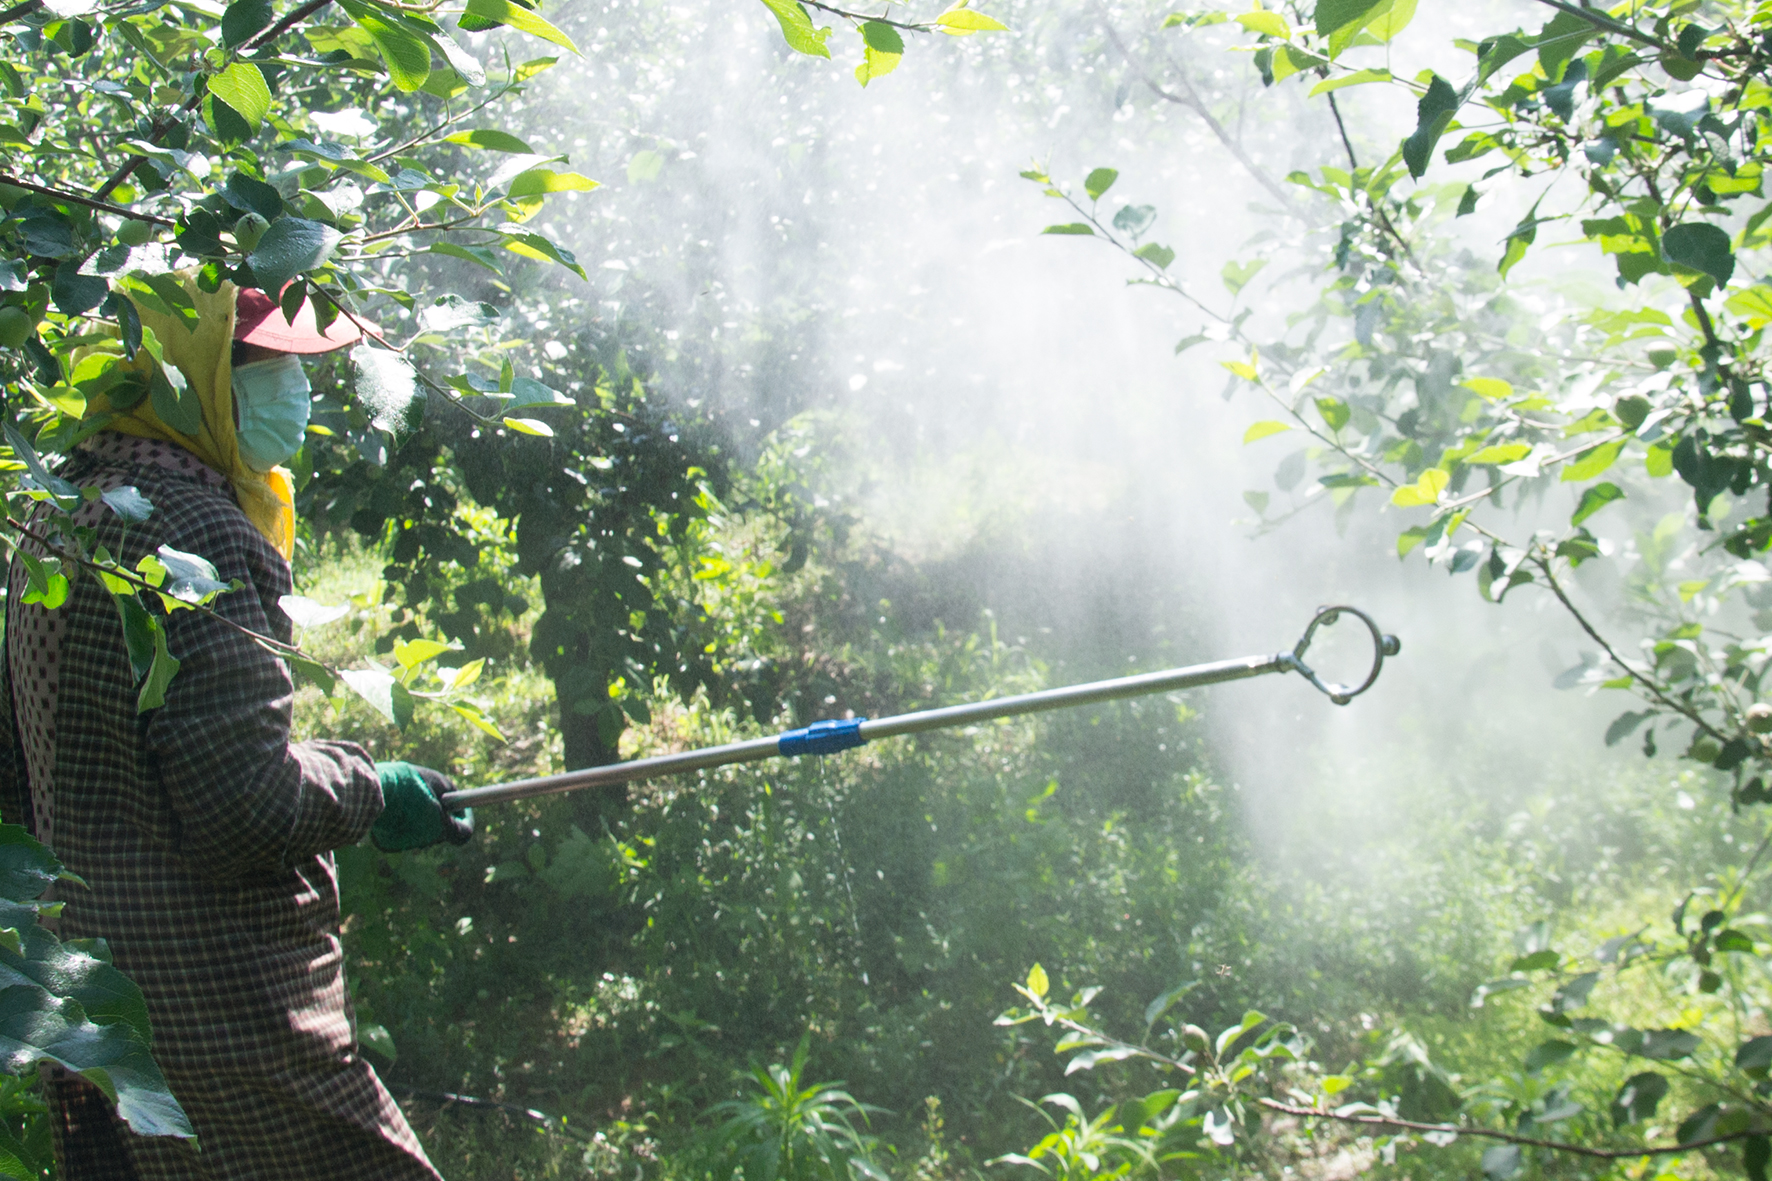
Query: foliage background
x=948 y=458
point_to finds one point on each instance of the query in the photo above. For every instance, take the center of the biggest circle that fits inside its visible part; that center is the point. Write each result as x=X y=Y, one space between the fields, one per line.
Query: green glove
x=412 y=817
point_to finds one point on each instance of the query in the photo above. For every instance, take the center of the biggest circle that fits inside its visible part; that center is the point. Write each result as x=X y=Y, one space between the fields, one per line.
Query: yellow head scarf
x=205 y=356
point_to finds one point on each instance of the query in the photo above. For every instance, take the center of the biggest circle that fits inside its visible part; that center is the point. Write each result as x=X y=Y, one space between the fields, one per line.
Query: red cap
x=258 y=320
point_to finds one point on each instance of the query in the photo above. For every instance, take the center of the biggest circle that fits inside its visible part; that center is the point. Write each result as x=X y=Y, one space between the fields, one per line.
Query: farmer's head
x=272 y=397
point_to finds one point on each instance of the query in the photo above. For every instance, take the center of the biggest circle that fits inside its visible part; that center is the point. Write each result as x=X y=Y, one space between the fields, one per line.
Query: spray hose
x=829 y=737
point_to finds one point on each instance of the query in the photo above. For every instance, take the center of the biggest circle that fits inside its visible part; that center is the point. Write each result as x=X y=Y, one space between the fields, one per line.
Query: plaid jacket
x=204 y=837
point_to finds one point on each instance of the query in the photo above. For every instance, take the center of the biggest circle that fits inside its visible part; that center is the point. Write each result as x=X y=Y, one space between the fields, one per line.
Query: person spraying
x=203 y=834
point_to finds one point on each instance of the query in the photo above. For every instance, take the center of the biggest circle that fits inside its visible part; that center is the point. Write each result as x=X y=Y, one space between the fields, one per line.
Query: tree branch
x=162 y=126
x=1600 y=20
x=1353 y=161
x=925 y=27
x=276 y=646
x=90 y=203
x=1380 y=1121
x=1192 y=101
x=1691 y=715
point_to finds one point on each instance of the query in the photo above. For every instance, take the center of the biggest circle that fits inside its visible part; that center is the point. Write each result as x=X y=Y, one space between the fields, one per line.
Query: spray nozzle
x=1382 y=646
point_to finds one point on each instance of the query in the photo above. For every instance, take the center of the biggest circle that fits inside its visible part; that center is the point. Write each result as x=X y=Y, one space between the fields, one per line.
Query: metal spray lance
x=823 y=738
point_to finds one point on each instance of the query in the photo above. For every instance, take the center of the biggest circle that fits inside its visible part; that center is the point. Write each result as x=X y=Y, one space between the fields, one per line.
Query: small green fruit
x=1632 y=409
x=1759 y=717
x=134 y=233
x=15 y=327
x=248 y=230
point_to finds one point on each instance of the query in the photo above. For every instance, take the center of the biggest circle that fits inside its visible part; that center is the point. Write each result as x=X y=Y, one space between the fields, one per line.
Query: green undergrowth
x=620 y=967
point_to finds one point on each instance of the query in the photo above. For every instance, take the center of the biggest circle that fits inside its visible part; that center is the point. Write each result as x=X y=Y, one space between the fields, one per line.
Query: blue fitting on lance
x=823 y=738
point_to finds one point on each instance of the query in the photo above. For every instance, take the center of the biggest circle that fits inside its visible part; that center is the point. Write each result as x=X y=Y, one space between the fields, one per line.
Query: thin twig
x=1192 y=101
x=925 y=27
x=90 y=203
x=1353 y=161
x=276 y=646
x=1382 y=1121
x=1600 y=20
x=1690 y=714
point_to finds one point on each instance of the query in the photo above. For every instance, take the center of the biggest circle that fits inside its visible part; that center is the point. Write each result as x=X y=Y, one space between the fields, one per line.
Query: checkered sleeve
x=247 y=800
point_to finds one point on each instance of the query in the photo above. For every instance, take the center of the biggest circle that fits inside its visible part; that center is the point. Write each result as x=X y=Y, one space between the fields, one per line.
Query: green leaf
x=963 y=22
x=480 y=721
x=1432 y=115
x=1075 y=227
x=384 y=694
x=478 y=255
x=163 y=294
x=535 y=246
x=243 y=19
x=1425 y=491
x=377 y=1038
x=1499 y=453
x=1548 y=1054
x=75 y=293
x=530 y=426
x=506 y=13
x=1593 y=499
x=162 y=665
x=1593 y=463
x=1359 y=78
x=1560 y=40
x=173 y=399
x=797 y=29
x=1159 y=256
x=540 y=181
x=1756 y=1152
x=27 y=867
x=406 y=54
x=1665 y=1045
x=44 y=581
x=1099 y=182
x=1236 y=275
x=40 y=475
x=409 y=654
x=305 y=612
x=292 y=245
x=1228 y=1037
x=1754 y=1056
x=1502 y=1162
x=191 y=577
x=490 y=140
x=1700 y=246
x=1334 y=411
x=313 y=671
x=644 y=166
x=1492 y=389
x=1392 y=20
x=1037 y=982
x=1266 y=24
x=1754 y=305
x=1334 y=15
x=1263 y=429
x=242 y=87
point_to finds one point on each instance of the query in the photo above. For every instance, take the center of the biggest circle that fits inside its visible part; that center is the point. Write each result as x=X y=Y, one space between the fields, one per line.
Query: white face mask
x=273 y=399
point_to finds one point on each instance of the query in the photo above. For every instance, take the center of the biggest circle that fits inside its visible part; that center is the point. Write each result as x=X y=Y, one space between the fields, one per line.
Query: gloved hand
x=412 y=817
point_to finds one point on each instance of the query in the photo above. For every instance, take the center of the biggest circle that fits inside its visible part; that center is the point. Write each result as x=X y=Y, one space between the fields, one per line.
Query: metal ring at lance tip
x=1382 y=646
